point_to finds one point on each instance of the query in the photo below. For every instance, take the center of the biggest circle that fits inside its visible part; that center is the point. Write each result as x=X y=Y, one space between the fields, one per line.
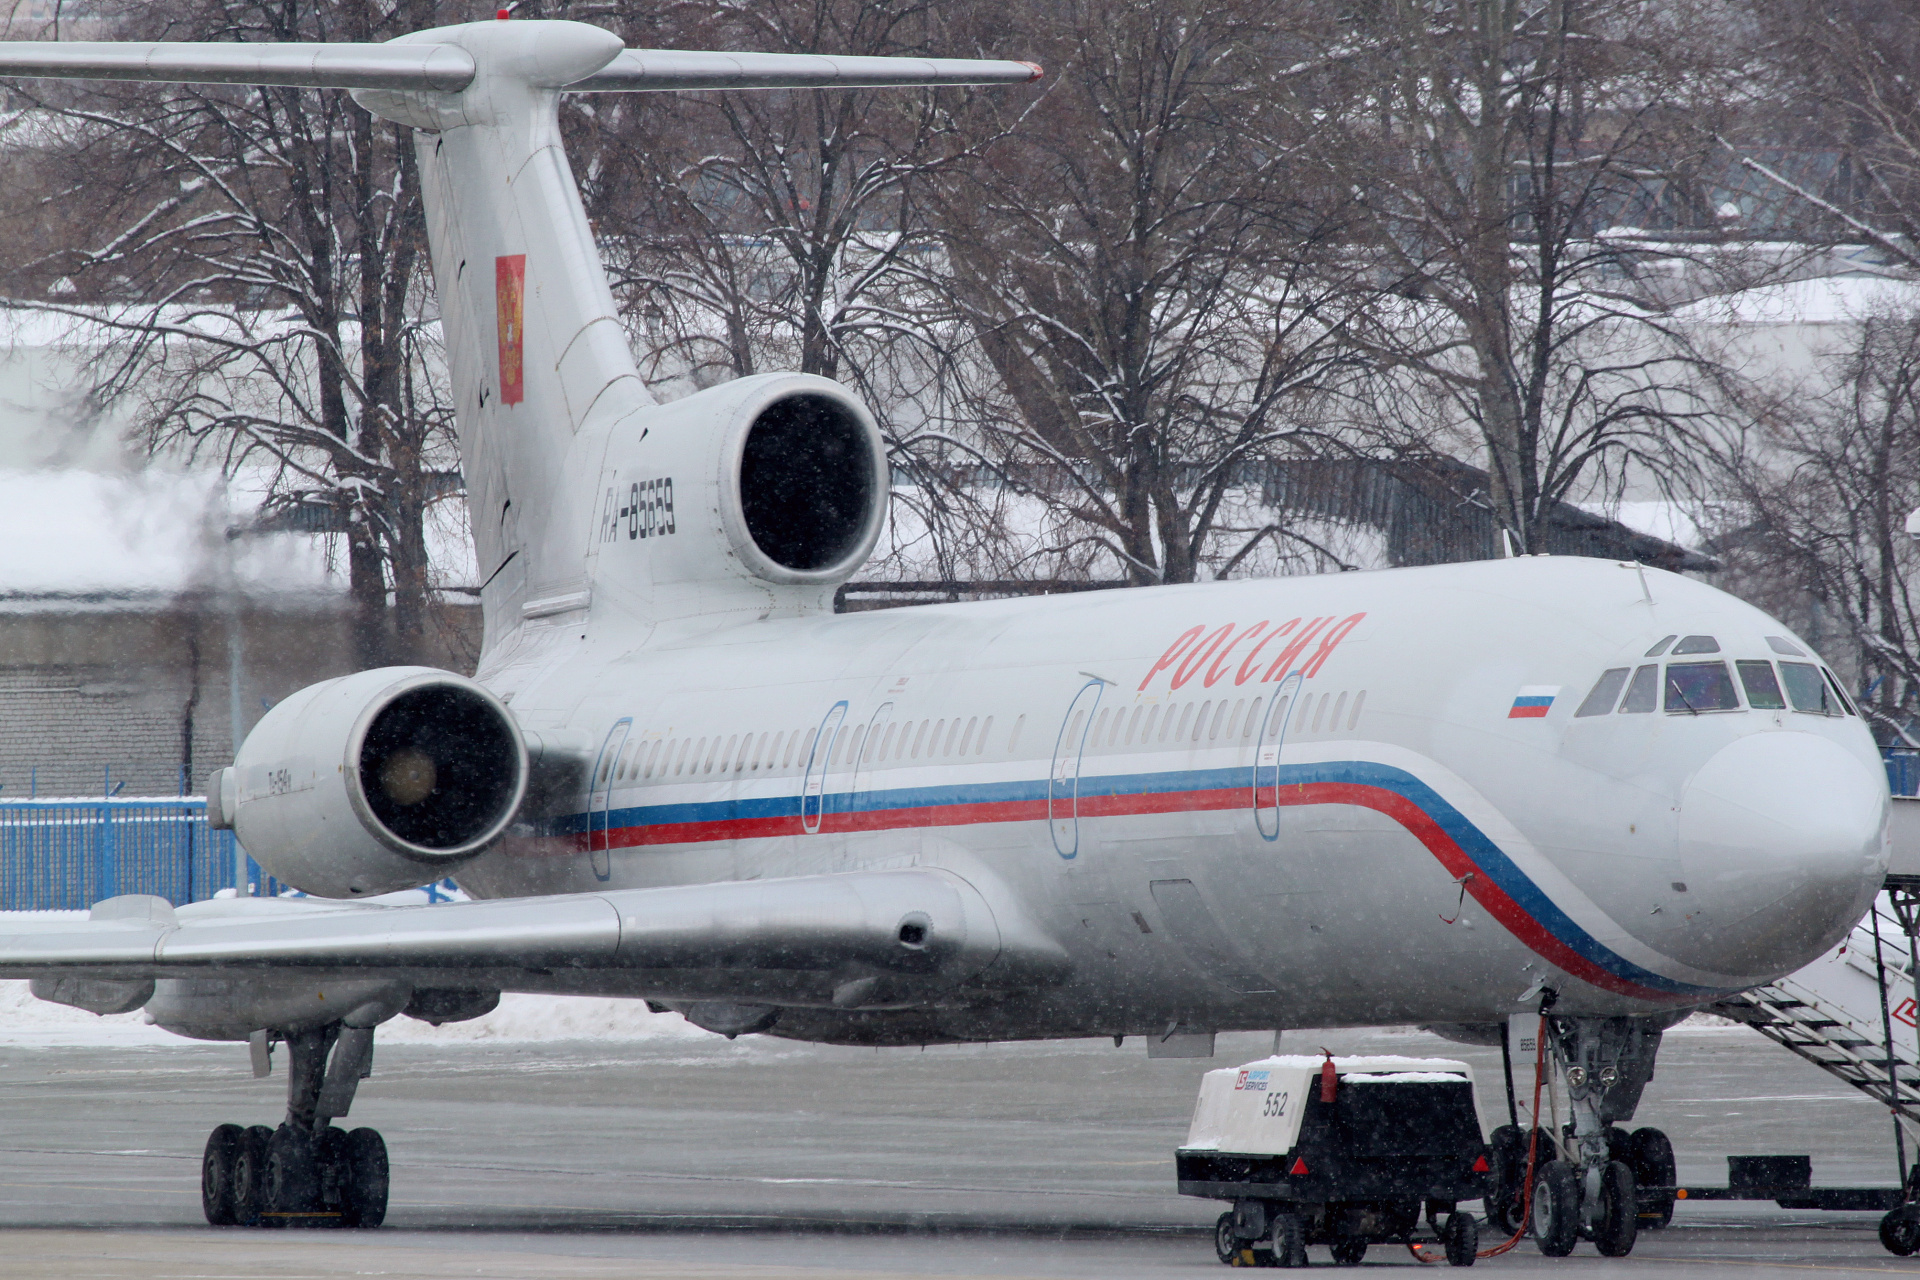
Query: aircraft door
x=600 y=798
x=862 y=799
x=1063 y=780
x=1266 y=756
x=813 y=788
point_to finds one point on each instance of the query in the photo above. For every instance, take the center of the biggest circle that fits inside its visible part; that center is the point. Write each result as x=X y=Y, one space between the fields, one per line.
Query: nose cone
x=1783 y=845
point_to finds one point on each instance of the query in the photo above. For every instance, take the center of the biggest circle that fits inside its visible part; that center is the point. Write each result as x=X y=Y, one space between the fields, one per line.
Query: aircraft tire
x=216 y=1174
x=1619 y=1223
x=1651 y=1156
x=1289 y=1240
x=1900 y=1231
x=1461 y=1238
x=293 y=1176
x=250 y=1175
x=1348 y=1253
x=1226 y=1245
x=365 y=1201
x=1556 y=1209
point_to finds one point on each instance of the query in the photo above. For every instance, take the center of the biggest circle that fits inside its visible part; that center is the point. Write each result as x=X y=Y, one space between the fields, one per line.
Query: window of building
x=1697 y=644
x=1700 y=686
x=1643 y=694
x=1763 y=691
x=1605 y=692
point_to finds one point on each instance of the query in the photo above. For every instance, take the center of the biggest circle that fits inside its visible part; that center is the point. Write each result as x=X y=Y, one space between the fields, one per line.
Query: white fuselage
x=1409 y=849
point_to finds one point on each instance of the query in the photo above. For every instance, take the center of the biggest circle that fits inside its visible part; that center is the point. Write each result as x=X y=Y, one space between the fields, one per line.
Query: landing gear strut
x=306 y=1172
x=1594 y=1192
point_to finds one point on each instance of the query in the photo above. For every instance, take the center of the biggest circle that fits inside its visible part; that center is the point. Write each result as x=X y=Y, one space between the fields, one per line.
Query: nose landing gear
x=306 y=1172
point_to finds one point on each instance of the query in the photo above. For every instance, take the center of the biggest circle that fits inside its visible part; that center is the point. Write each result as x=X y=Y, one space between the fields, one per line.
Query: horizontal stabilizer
x=796 y=940
x=447 y=68
x=661 y=69
x=442 y=67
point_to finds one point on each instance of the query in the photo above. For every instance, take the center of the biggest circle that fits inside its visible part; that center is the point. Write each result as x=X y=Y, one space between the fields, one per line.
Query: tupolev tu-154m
x=1592 y=791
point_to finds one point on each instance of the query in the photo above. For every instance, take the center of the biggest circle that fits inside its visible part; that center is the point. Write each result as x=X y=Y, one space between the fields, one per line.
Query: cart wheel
x=1619 y=1221
x=1347 y=1253
x=1226 y=1245
x=1504 y=1197
x=1652 y=1162
x=1461 y=1237
x=1900 y=1230
x=1556 y=1209
x=1289 y=1240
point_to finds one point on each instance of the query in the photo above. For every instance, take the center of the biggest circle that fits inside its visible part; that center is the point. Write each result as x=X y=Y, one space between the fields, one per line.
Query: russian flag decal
x=1533 y=701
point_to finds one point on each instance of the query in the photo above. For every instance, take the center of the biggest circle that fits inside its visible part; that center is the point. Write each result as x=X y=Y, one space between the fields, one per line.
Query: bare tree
x=1139 y=277
x=1490 y=146
x=259 y=255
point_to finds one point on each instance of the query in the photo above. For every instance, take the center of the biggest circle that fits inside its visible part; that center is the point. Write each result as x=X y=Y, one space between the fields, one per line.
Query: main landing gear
x=306 y=1172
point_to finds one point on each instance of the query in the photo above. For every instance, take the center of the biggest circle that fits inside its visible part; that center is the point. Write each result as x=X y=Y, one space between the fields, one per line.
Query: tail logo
x=509 y=294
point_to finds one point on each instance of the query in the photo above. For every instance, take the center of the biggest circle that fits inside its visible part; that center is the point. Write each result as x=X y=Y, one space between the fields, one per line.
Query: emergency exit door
x=1063 y=780
x=600 y=799
x=1266 y=757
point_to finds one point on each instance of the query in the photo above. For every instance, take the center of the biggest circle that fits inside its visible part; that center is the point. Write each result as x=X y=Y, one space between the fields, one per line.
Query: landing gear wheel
x=1556 y=1209
x=1652 y=1161
x=293 y=1181
x=250 y=1175
x=1289 y=1240
x=1348 y=1253
x=1461 y=1237
x=1900 y=1230
x=365 y=1202
x=216 y=1174
x=1508 y=1193
x=330 y=1170
x=1619 y=1222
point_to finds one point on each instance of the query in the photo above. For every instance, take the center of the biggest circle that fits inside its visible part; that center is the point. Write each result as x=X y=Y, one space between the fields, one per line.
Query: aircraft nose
x=1783 y=845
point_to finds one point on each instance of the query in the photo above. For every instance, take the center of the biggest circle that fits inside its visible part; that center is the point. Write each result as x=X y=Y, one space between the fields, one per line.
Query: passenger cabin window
x=1697 y=644
x=1763 y=691
x=1807 y=690
x=1661 y=647
x=1700 y=686
x=1644 y=693
x=1606 y=692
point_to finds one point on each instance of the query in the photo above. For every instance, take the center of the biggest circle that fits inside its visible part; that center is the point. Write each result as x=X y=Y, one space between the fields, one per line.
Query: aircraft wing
x=901 y=937
x=657 y=69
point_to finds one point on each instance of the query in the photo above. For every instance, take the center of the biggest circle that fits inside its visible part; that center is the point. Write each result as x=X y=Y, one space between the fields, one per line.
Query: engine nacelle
x=373 y=782
x=767 y=490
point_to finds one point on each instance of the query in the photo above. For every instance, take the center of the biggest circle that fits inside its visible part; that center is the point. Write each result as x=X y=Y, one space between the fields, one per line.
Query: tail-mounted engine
x=776 y=484
x=373 y=782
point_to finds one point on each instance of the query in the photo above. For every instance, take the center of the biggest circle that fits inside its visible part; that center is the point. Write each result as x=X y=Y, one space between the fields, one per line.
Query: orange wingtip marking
x=1038 y=71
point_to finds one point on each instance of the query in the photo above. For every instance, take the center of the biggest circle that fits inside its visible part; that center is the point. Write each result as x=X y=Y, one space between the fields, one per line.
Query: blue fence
x=67 y=854
x=1903 y=772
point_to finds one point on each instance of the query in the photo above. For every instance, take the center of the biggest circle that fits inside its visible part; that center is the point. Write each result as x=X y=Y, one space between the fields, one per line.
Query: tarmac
x=762 y=1158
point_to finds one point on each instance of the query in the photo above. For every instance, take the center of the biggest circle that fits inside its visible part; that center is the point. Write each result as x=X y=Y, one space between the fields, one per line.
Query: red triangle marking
x=1299 y=1165
x=1480 y=1165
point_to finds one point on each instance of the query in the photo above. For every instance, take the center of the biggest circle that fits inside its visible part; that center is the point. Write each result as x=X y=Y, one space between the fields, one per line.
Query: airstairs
x=1832 y=1013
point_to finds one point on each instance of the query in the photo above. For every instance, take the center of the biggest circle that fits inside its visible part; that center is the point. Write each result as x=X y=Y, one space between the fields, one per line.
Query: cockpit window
x=1697 y=644
x=1700 y=686
x=1659 y=649
x=1780 y=644
x=1605 y=690
x=1808 y=691
x=1763 y=691
x=1644 y=692
x=1846 y=703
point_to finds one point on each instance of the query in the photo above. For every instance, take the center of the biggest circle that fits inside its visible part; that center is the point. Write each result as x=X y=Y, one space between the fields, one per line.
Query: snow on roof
x=84 y=537
x=1843 y=299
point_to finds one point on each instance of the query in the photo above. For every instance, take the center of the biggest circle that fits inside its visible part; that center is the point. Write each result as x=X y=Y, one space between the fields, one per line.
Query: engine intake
x=373 y=782
x=808 y=484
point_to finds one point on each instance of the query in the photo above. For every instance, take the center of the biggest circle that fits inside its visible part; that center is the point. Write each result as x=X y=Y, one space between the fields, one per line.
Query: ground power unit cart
x=1345 y=1152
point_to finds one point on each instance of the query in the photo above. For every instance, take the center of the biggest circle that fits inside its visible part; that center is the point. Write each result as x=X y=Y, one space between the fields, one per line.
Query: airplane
x=1573 y=789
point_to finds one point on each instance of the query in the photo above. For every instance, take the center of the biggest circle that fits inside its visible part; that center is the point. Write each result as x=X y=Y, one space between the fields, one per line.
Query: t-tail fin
x=541 y=372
